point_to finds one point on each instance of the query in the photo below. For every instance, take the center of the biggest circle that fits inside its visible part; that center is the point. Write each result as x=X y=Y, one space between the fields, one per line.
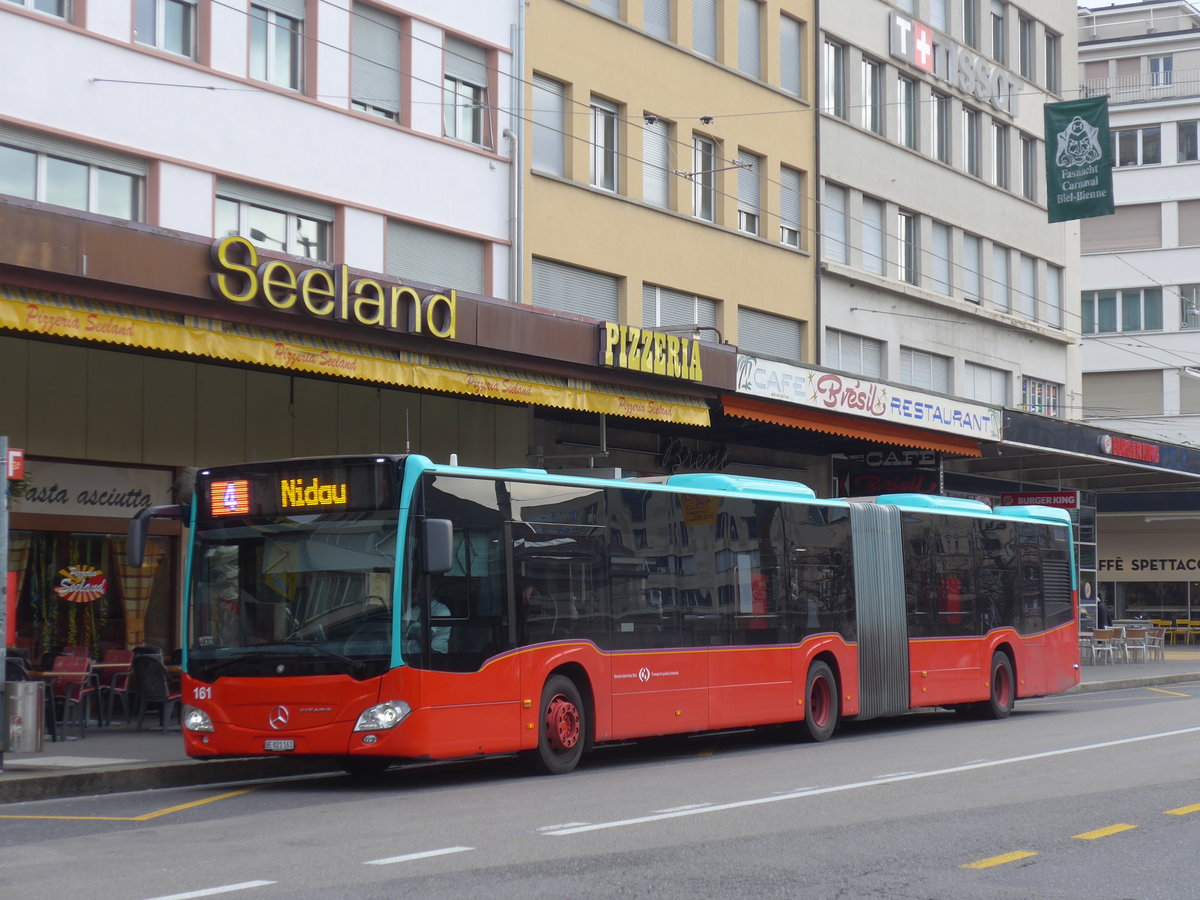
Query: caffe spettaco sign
x=832 y=392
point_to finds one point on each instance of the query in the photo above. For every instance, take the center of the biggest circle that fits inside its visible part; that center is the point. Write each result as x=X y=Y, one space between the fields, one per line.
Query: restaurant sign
x=868 y=399
x=653 y=352
x=68 y=489
x=329 y=294
x=1056 y=499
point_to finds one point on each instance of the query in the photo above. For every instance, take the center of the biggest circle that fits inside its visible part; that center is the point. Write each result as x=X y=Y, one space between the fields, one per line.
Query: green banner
x=1078 y=160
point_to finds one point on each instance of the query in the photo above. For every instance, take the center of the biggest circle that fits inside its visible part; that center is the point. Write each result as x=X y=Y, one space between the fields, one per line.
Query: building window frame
x=970 y=137
x=1000 y=155
x=466 y=104
x=306 y=229
x=1162 y=70
x=925 y=370
x=276 y=48
x=871 y=95
x=833 y=78
x=1040 y=396
x=749 y=198
x=1141 y=146
x=704 y=178
x=941 y=126
x=59 y=9
x=167 y=25
x=907 y=93
x=791 y=207
x=998 y=20
x=907 y=246
x=75 y=178
x=1187 y=141
x=970 y=23
x=1127 y=310
x=604 y=136
x=1053 y=62
x=1026 y=54
x=855 y=354
x=1029 y=167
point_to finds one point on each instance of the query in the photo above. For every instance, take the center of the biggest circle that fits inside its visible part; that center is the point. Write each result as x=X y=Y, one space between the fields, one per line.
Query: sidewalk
x=121 y=758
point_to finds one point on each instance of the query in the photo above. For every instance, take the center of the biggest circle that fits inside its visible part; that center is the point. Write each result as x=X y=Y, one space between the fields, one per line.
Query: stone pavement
x=121 y=758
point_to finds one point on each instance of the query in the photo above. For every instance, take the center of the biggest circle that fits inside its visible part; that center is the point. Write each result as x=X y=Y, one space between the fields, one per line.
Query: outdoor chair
x=154 y=689
x=115 y=683
x=1135 y=643
x=74 y=692
x=1154 y=643
x=1102 y=643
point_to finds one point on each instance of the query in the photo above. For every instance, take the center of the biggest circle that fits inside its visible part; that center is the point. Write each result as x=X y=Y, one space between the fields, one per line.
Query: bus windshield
x=300 y=595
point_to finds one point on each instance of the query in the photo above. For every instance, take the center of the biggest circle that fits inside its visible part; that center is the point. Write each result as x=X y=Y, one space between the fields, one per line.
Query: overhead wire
x=676 y=149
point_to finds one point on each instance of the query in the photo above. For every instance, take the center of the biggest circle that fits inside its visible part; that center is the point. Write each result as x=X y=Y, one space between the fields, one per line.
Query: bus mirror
x=135 y=549
x=438 y=541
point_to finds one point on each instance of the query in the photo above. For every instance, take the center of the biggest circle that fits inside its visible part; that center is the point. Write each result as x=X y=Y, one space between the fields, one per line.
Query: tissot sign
x=960 y=67
x=868 y=399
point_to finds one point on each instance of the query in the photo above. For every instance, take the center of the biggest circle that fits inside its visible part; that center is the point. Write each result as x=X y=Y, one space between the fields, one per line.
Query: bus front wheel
x=820 y=702
x=1003 y=693
x=562 y=728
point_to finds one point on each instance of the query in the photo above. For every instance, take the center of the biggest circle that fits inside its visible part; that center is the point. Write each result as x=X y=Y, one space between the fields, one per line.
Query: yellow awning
x=58 y=315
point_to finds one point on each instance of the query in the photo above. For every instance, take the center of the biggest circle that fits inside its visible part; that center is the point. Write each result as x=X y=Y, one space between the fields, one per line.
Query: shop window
x=78 y=590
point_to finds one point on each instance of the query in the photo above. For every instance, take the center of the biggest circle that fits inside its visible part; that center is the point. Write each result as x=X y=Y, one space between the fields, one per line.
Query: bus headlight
x=382 y=717
x=195 y=719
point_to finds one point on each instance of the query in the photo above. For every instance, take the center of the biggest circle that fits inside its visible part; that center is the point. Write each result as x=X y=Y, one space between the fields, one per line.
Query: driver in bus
x=439 y=635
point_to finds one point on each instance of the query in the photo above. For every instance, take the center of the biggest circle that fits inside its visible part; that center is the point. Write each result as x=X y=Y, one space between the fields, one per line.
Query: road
x=1092 y=795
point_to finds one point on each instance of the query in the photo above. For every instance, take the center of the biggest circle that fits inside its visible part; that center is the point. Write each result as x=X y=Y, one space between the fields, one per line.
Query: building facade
x=938 y=268
x=250 y=230
x=1138 y=302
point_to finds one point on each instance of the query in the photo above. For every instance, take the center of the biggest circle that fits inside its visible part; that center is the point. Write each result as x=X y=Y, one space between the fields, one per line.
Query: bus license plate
x=278 y=745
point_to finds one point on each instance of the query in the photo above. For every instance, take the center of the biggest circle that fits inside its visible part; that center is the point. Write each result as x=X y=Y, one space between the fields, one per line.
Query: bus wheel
x=363 y=766
x=820 y=702
x=1004 y=690
x=562 y=724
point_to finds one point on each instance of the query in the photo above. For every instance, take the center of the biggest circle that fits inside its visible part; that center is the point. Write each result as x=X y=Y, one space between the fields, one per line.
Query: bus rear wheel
x=562 y=728
x=1003 y=693
x=820 y=702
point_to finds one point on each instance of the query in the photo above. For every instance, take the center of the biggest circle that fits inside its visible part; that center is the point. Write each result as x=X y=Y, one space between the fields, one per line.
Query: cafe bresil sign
x=853 y=396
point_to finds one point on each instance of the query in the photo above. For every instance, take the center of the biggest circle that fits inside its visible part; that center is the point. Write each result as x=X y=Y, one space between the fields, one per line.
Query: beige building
x=668 y=157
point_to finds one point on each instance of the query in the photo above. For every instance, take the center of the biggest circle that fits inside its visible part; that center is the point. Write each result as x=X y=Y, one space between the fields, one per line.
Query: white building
x=197 y=113
x=1141 y=267
x=939 y=269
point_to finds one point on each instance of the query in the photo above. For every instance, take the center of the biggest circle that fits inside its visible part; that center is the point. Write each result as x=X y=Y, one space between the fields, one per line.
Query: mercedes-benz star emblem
x=278 y=717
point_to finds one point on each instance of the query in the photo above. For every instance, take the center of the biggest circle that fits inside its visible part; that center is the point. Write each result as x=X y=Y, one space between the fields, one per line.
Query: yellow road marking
x=1103 y=832
x=144 y=816
x=1183 y=810
x=998 y=860
x=1172 y=693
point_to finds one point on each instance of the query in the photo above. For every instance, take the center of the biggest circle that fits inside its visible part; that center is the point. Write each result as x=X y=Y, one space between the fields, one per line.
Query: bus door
x=455 y=626
x=879 y=586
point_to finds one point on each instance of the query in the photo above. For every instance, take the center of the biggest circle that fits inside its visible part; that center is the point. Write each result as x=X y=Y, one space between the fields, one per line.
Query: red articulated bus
x=381 y=609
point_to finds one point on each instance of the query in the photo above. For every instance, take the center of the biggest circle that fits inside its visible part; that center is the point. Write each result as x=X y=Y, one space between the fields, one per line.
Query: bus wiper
x=354 y=664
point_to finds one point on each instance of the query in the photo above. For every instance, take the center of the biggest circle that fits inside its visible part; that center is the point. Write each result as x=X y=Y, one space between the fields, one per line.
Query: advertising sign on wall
x=854 y=396
x=68 y=489
x=1078 y=160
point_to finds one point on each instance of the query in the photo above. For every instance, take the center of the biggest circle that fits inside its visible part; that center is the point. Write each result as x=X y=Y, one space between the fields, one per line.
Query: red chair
x=75 y=651
x=74 y=689
x=115 y=681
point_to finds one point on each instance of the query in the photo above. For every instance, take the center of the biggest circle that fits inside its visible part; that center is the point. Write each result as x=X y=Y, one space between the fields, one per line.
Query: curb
x=156 y=775
x=1122 y=683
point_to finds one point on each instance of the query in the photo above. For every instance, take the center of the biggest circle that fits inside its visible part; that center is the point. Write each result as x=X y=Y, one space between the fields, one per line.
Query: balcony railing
x=1145 y=87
